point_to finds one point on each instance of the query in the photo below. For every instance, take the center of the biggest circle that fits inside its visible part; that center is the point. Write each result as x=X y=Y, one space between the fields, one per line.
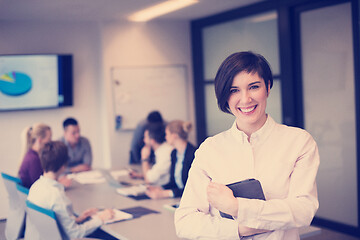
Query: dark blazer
x=188 y=159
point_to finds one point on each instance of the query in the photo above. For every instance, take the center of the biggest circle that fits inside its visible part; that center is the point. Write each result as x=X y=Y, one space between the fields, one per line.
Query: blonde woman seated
x=181 y=159
x=35 y=137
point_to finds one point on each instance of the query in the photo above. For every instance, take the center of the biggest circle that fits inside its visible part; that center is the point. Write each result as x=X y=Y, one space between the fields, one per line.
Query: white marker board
x=140 y=90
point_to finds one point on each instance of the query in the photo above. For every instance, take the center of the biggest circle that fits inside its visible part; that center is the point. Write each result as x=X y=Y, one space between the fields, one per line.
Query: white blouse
x=159 y=174
x=284 y=159
x=48 y=193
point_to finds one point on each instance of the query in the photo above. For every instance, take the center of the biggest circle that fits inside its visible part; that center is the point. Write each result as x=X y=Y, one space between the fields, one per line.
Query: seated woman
x=35 y=138
x=181 y=159
x=159 y=172
x=47 y=193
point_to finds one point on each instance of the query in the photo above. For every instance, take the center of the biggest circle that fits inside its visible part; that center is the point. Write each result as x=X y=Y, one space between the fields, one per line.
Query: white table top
x=149 y=227
x=103 y=195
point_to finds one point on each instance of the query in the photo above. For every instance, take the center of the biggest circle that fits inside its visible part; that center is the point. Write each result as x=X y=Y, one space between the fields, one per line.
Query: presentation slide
x=28 y=82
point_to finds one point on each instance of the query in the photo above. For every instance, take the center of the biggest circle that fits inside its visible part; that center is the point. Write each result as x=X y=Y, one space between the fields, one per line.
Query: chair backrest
x=23 y=193
x=10 y=184
x=41 y=223
x=14 y=228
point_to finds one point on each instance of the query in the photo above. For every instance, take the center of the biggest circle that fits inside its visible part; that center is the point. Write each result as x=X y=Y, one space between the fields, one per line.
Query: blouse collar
x=257 y=136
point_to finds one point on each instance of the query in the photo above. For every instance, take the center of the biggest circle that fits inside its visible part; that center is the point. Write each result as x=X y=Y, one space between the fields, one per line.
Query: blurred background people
x=154 y=139
x=48 y=193
x=35 y=137
x=176 y=134
x=79 y=149
x=137 y=141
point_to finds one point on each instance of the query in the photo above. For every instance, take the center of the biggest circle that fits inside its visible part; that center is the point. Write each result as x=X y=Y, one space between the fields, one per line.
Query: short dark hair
x=234 y=64
x=156 y=131
x=53 y=156
x=154 y=117
x=69 y=121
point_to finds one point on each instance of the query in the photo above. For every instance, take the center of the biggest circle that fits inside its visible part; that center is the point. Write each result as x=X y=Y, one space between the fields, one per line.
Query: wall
x=142 y=44
x=96 y=48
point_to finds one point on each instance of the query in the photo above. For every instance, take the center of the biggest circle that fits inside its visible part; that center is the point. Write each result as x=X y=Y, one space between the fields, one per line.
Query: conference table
x=159 y=225
x=103 y=195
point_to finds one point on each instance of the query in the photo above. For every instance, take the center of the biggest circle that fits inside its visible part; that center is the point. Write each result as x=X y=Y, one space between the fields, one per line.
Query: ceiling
x=105 y=10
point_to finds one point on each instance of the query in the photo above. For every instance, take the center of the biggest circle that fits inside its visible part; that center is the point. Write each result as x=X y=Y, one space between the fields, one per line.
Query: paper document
x=132 y=191
x=119 y=173
x=119 y=216
x=88 y=177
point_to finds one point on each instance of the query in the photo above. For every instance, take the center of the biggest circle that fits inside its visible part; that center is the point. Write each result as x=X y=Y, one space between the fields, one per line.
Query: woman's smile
x=247 y=110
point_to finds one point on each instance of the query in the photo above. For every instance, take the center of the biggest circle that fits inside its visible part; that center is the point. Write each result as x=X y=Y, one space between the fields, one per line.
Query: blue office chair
x=14 y=228
x=41 y=223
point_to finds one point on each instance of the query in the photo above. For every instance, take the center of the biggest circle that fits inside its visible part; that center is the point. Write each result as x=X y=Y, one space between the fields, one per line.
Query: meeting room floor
x=325 y=234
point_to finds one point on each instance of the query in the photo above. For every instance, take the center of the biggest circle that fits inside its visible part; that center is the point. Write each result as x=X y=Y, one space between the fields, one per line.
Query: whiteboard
x=140 y=90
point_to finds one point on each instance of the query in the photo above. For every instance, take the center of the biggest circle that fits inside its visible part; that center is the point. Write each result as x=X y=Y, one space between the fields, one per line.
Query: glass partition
x=257 y=33
x=329 y=107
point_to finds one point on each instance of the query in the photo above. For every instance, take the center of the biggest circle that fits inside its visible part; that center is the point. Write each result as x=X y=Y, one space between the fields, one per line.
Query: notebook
x=139 y=211
x=249 y=188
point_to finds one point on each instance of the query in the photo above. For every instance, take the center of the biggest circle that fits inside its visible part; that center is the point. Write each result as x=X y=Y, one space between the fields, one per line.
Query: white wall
x=95 y=48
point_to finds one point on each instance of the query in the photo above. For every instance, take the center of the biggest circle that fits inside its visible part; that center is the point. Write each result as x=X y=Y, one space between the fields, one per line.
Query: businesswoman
x=176 y=134
x=284 y=159
x=35 y=138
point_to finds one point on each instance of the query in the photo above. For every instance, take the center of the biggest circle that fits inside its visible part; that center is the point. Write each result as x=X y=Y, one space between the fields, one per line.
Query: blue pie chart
x=15 y=83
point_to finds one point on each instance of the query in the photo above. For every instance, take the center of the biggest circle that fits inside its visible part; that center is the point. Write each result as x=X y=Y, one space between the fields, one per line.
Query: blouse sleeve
x=193 y=219
x=65 y=214
x=301 y=203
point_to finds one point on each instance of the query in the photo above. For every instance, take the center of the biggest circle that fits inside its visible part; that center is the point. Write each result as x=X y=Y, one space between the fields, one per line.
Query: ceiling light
x=160 y=9
x=264 y=17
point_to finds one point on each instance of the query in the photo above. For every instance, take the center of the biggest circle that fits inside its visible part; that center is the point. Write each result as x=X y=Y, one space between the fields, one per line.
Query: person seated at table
x=35 y=138
x=182 y=156
x=154 y=139
x=48 y=193
x=137 y=141
x=79 y=149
